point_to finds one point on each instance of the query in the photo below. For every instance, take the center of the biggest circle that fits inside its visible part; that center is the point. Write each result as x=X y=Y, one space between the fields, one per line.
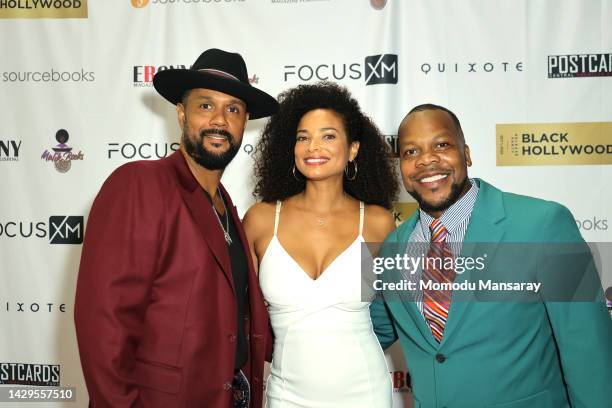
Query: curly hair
x=376 y=181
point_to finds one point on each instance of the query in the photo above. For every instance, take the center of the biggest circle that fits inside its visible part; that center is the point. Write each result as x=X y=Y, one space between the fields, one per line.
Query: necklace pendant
x=228 y=239
x=321 y=222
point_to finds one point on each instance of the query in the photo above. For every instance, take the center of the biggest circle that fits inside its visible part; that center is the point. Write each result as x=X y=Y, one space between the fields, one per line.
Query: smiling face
x=322 y=146
x=213 y=124
x=433 y=160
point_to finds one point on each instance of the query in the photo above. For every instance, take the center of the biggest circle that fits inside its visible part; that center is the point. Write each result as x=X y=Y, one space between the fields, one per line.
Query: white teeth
x=316 y=160
x=433 y=178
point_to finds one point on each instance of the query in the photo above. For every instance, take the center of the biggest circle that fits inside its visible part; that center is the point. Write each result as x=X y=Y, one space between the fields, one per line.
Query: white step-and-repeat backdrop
x=530 y=81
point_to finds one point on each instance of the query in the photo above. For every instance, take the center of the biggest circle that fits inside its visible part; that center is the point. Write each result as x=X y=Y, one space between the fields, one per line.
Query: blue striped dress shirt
x=455 y=219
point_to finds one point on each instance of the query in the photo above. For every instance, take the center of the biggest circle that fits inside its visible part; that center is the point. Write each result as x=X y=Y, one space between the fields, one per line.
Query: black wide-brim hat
x=220 y=71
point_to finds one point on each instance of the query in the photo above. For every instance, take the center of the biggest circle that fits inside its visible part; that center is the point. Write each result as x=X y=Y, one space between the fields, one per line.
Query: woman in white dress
x=326 y=180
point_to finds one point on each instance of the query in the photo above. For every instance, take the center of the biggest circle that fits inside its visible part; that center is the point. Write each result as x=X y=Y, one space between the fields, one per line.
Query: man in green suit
x=540 y=350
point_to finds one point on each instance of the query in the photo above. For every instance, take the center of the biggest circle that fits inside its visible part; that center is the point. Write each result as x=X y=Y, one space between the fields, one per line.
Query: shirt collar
x=455 y=214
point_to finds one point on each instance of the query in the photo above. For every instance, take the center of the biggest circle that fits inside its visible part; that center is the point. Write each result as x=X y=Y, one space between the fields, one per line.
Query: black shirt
x=241 y=283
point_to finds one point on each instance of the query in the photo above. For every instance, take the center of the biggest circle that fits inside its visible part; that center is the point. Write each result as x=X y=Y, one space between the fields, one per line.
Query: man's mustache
x=219 y=132
x=428 y=171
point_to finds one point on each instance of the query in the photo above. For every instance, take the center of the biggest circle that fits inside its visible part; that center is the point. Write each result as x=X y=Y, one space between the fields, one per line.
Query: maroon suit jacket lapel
x=202 y=212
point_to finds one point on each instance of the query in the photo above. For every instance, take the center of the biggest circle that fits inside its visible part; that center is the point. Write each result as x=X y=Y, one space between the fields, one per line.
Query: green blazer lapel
x=405 y=229
x=484 y=227
x=407 y=316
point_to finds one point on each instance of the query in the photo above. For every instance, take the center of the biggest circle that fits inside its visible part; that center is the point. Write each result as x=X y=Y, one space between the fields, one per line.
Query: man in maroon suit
x=168 y=310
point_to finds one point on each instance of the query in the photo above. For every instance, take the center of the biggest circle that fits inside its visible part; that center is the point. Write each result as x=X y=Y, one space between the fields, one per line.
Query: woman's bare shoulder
x=378 y=223
x=259 y=218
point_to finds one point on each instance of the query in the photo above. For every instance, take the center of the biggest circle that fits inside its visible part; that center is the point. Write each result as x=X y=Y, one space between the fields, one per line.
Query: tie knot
x=438 y=231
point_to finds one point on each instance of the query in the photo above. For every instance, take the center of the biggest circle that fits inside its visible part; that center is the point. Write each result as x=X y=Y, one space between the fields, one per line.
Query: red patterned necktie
x=436 y=303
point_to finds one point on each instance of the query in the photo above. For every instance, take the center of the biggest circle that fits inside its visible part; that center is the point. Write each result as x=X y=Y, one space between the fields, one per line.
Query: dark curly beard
x=205 y=158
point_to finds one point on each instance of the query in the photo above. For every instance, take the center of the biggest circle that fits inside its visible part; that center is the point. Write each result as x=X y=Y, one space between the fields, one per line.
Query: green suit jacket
x=505 y=354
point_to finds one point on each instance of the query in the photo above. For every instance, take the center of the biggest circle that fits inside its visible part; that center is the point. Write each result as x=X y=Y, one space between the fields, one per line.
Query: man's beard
x=205 y=158
x=455 y=194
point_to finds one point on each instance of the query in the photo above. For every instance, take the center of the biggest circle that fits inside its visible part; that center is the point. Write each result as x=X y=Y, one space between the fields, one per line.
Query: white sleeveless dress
x=326 y=354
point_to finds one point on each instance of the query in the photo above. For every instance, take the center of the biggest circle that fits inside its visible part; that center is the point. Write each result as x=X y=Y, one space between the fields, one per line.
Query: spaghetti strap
x=279 y=203
x=361 y=211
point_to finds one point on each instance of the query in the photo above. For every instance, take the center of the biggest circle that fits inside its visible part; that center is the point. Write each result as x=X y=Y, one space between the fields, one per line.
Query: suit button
x=232 y=338
x=440 y=358
x=227 y=386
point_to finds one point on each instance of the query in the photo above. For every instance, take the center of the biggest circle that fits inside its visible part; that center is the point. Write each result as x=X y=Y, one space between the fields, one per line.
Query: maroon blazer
x=155 y=307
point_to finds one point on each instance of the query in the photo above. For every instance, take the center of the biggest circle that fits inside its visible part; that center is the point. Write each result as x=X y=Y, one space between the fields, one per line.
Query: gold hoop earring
x=346 y=171
x=295 y=175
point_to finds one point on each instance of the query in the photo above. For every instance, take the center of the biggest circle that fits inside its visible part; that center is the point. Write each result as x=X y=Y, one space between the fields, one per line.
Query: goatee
x=455 y=193
x=206 y=158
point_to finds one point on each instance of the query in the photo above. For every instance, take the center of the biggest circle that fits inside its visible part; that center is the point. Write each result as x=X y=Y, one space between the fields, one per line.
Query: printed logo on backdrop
x=43 y=8
x=32 y=307
x=404 y=210
x=579 y=65
x=60 y=229
x=9 y=150
x=51 y=75
x=42 y=375
x=144 y=3
x=143 y=151
x=376 y=69
x=392 y=141
x=142 y=75
x=378 y=4
x=401 y=381
x=471 y=68
x=592 y=224
x=64 y=229
x=295 y=1
x=381 y=69
x=554 y=144
x=61 y=155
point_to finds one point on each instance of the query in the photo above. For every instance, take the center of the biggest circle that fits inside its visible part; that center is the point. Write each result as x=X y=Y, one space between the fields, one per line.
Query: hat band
x=219 y=73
